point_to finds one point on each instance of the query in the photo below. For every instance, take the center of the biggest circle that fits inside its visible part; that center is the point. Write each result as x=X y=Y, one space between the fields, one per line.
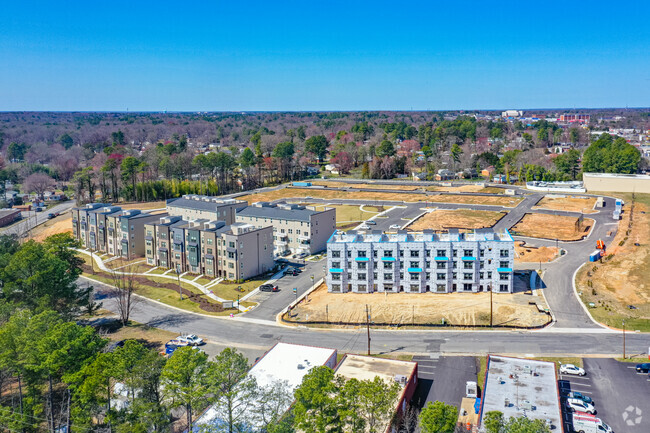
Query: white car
x=572 y=369
x=395 y=227
x=190 y=339
x=573 y=404
x=364 y=227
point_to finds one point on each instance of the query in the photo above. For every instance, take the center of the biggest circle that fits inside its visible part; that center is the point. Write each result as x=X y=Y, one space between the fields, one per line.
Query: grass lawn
x=226 y=290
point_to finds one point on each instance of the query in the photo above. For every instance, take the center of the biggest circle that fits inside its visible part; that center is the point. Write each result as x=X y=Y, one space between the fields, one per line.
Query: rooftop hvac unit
x=526 y=405
x=401 y=379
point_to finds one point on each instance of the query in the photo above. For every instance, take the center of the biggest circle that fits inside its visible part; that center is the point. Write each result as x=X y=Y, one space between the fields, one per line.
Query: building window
x=388 y=265
x=415 y=253
x=441 y=288
x=467 y=276
x=210 y=241
x=362 y=265
x=414 y=275
x=468 y=253
x=414 y=264
x=504 y=264
x=361 y=276
x=467 y=287
x=388 y=287
x=231 y=244
x=440 y=276
x=374 y=253
x=441 y=265
x=427 y=253
x=481 y=275
x=503 y=276
x=388 y=277
x=336 y=276
x=361 y=253
x=504 y=253
x=388 y=254
x=454 y=253
x=441 y=253
x=362 y=288
x=482 y=253
x=336 y=264
x=336 y=254
x=489 y=274
x=336 y=287
x=468 y=265
x=415 y=288
x=427 y=264
x=503 y=288
x=401 y=253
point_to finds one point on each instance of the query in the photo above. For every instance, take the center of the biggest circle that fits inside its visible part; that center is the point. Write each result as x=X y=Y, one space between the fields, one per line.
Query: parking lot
x=620 y=394
x=443 y=378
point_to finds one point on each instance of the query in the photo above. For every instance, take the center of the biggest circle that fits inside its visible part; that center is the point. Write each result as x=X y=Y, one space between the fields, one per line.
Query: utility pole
x=368 y=327
x=490 y=287
x=623 y=339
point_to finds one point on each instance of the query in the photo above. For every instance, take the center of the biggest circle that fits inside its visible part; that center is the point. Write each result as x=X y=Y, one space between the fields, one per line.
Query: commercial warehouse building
x=365 y=262
x=297 y=229
x=284 y=365
x=522 y=387
x=8 y=216
x=612 y=182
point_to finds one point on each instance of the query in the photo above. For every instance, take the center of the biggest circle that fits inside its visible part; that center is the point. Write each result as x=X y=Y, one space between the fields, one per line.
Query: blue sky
x=215 y=55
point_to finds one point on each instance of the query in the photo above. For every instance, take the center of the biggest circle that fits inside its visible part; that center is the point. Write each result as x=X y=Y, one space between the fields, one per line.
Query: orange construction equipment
x=600 y=244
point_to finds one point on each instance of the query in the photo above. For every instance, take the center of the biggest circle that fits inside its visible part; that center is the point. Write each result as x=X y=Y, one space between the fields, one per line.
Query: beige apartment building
x=193 y=207
x=80 y=221
x=296 y=229
x=234 y=252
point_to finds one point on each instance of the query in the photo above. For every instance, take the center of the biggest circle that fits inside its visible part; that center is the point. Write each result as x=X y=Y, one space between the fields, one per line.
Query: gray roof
x=278 y=213
x=198 y=204
x=5 y=212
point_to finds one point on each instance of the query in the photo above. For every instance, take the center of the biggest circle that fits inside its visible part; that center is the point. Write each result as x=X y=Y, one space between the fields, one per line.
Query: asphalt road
x=620 y=394
x=32 y=219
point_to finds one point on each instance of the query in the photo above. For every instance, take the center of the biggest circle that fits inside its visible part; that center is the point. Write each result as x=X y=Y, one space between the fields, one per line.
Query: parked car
x=572 y=369
x=371 y=223
x=291 y=271
x=585 y=423
x=302 y=255
x=50 y=216
x=643 y=368
x=364 y=227
x=297 y=270
x=38 y=209
x=269 y=288
x=579 y=396
x=191 y=339
x=575 y=405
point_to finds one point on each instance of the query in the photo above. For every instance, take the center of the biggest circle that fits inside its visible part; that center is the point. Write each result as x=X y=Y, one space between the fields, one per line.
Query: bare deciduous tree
x=124 y=286
x=38 y=183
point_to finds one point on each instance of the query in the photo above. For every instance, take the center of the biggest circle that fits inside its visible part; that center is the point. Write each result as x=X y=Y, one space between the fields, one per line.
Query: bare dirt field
x=459 y=218
x=333 y=194
x=621 y=279
x=567 y=203
x=546 y=226
x=467 y=188
x=365 y=186
x=462 y=309
x=528 y=254
x=143 y=206
x=60 y=224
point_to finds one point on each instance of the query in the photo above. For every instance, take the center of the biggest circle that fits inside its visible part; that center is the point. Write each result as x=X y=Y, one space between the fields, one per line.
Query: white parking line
x=579 y=385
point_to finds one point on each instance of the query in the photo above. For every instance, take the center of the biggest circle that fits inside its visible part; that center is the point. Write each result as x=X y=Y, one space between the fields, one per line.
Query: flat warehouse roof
x=367 y=368
x=522 y=387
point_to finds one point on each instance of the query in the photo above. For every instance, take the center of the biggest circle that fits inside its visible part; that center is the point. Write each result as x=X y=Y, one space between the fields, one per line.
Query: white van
x=586 y=423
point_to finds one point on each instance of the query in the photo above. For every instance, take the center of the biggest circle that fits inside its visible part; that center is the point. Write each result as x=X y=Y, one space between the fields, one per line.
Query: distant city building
x=420 y=262
x=296 y=229
x=574 y=118
x=512 y=113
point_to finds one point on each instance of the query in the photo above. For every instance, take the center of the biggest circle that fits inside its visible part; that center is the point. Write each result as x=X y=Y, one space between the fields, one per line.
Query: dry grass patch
x=567 y=203
x=489 y=200
x=621 y=279
x=461 y=309
x=564 y=228
x=143 y=205
x=460 y=218
x=365 y=186
x=529 y=254
x=467 y=188
x=330 y=195
x=60 y=224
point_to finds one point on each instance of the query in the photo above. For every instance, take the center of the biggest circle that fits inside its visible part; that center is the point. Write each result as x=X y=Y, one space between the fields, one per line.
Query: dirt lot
x=366 y=195
x=460 y=218
x=365 y=186
x=528 y=254
x=622 y=278
x=545 y=226
x=567 y=203
x=419 y=308
x=467 y=188
x=60 y=224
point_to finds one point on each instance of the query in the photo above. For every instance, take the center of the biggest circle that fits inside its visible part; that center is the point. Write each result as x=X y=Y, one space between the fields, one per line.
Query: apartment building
x=98 y=228
x=193 y=207
x=296 y=229
x=80 y=225
x=420 y=262
x=212 y=248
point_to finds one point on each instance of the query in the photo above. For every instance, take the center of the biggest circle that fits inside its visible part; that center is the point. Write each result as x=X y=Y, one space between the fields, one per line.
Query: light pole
x=238 y=299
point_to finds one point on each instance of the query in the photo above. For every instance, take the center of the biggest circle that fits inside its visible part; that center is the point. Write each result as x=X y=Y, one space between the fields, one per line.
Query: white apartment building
x=420 y=262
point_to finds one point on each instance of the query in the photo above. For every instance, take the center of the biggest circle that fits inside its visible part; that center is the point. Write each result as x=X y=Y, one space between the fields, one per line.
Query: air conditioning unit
x=401 y=379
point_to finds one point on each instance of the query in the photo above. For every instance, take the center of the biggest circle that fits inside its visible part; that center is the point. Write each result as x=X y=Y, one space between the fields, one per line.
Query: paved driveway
x=620 y=394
